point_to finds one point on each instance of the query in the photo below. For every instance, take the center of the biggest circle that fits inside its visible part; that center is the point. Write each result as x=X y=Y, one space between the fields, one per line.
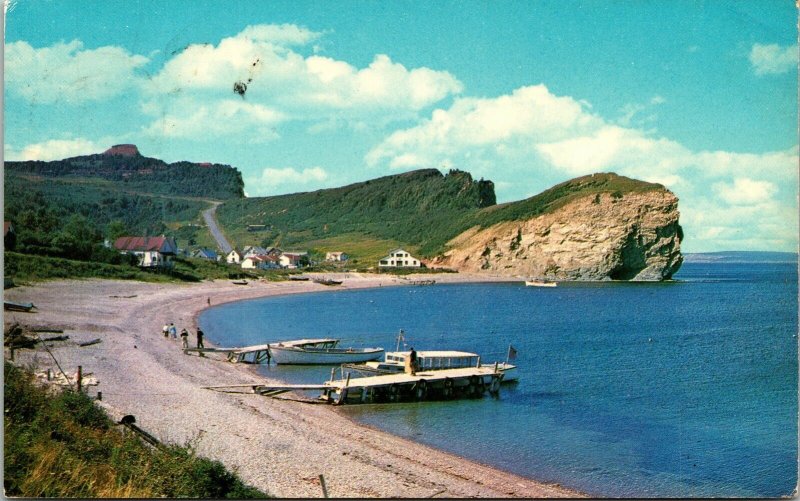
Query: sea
x=685 y=388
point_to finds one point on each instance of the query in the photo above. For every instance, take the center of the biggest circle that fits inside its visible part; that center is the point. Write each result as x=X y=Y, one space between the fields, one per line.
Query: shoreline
x=278 y=445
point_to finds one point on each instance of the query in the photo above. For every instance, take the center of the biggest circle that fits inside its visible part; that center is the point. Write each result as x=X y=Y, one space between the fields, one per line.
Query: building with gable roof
x=153 y=252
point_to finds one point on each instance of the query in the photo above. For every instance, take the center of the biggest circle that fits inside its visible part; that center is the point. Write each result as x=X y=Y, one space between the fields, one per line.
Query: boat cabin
x=435 y=360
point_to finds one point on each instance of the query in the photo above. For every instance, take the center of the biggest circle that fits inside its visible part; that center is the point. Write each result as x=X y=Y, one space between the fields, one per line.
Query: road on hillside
x=211 y=221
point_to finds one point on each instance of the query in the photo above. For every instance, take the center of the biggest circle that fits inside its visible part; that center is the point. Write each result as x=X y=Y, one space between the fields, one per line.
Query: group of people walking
x=169 y=330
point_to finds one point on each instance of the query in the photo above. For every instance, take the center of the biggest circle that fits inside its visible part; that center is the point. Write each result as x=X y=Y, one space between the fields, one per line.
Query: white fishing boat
x=540 y=283
x=395 y=362
x=320 y=352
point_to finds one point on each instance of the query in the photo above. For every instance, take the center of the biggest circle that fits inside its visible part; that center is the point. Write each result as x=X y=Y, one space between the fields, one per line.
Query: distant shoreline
x=142 y=373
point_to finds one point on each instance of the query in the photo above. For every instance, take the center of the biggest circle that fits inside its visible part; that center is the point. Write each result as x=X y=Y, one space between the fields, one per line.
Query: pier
x=468 y=382
x=256 y=354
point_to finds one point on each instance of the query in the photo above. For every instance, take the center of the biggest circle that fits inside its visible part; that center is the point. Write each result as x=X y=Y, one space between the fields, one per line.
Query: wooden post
x=322 y=484
x=80 y=377
x=12 y=354
x=333 y=373
x=347 y=383
x=495 y=367
x=49 y=374
x=99 y=395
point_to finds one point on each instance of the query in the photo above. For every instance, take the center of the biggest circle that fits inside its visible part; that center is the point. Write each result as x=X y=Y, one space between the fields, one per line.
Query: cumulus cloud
x=53 y=149
x=533 y=134
x=69 y=74
x=772 y=59
x=271 y=179
x=263 y=58
x=745 y=191
x=227 y=117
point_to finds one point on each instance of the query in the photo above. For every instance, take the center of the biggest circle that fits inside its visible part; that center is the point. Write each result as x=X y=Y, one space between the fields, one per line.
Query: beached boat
x=395 y=362
x=12 y=306
x=239 y=282
x=540 y=283
x=327 y=281
x=320 y=352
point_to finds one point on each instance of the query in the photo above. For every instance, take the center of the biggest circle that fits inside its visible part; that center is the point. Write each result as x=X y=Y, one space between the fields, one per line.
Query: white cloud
x=533 y=134
x=772 y=59
x=270 y=178
x=226 y=117
x=745 y=191
x=53 y=149
x=301 y=87
x=66 y=73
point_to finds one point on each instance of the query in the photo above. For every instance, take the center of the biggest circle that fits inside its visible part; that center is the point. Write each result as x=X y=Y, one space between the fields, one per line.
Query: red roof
x=141 y=244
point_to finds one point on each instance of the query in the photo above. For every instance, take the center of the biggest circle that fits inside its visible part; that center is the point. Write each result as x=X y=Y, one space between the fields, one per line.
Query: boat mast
x=400 y=337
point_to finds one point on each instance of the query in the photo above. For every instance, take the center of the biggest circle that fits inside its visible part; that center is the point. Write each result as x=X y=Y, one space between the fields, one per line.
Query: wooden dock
x=446 y=384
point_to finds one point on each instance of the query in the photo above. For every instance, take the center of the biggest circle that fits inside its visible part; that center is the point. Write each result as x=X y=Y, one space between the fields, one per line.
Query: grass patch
x=62 y=445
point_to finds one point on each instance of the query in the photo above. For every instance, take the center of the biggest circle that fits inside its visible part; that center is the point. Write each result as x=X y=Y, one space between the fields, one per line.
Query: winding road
x=211 y=221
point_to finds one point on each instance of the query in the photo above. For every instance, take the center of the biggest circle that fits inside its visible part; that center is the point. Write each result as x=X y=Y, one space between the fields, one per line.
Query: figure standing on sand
x=185 y=338
x=200 y=340
x=173 y=330
x=165 y=330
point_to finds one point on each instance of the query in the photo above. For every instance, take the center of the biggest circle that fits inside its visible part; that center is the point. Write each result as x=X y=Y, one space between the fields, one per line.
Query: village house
x=152 y=251
x=336 y=256
x=399 y=258
x=292 y=259
x=233 y=257
x=262 y=262
x=204 y=253
x=253 y=250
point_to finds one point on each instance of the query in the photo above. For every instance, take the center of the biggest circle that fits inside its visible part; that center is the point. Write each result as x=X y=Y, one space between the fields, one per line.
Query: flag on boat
x=512 y=352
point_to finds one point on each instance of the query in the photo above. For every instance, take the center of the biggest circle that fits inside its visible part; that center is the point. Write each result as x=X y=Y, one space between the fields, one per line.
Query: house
x=253 y=250
x=151 y=251
x=234 y=257
x=336 y=256
x=204 y=253
x=398 y=258
x=262 y=262
x=293 y=259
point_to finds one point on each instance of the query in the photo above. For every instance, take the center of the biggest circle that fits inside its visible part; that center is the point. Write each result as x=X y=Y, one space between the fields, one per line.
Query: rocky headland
x=594 y=235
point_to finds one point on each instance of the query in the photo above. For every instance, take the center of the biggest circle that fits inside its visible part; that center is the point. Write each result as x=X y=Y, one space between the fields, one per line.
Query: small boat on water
x=540 y=283
x=395 y=361
x=12 y=306
x=320 y=352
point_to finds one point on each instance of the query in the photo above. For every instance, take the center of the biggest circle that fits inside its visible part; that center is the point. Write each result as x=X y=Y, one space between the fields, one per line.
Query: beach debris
x=89 y=343
x=12 y=306
x=124 y=297
x=129 y=421
x=67 y=380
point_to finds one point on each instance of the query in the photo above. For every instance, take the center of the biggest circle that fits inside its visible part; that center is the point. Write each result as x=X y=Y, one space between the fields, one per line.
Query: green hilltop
x=419 y=210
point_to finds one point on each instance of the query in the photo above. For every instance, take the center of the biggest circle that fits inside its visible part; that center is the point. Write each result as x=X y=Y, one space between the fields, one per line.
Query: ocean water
x=682 y=389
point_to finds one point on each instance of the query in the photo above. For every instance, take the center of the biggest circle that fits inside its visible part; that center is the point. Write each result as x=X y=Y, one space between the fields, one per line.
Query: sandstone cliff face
x=606 y=236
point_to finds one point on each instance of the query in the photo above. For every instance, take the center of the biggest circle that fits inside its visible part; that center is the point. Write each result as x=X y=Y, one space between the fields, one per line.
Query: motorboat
x=320 y=352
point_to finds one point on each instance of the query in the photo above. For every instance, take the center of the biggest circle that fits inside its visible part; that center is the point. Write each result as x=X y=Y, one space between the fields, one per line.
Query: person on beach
x=200 y=340
x=208 y=300
x=165 y=330
x=173 y=330
x=185 y=338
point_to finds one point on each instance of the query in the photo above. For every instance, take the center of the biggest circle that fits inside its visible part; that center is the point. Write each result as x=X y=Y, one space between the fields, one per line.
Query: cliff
x=587 y=234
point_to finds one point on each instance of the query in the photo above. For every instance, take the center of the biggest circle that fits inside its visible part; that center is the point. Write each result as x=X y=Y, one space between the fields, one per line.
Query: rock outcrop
x=601 y=236
x=124 y=150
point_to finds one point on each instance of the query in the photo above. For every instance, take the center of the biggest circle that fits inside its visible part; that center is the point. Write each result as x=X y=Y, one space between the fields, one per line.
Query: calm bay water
x=626 y=390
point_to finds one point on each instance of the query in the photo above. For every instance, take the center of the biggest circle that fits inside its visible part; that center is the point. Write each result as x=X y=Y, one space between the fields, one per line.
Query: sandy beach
x=278 y=445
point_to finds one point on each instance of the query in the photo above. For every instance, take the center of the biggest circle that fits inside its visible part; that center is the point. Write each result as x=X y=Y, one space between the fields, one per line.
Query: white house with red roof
x=152 y=252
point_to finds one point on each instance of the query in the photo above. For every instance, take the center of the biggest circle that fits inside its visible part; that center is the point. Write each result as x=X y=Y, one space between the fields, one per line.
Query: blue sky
x=699 y=96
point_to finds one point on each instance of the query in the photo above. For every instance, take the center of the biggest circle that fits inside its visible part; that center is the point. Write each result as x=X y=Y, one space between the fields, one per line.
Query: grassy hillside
x=419 y=210
x=63 y=446
x=66 y=208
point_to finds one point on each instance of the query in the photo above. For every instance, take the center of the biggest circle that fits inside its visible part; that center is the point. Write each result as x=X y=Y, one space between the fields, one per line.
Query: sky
x=700 y=96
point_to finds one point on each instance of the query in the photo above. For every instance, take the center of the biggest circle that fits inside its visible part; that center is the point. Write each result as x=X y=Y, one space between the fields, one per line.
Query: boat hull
x=300 y=356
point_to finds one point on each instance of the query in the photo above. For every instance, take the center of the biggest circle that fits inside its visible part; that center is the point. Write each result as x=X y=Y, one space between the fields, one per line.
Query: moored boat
x=320 y=352
x=540 y=283
x=394 y=363
x=12 y=306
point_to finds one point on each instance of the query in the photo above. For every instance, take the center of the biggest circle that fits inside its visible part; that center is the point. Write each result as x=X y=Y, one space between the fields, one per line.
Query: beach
x=280 y=445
